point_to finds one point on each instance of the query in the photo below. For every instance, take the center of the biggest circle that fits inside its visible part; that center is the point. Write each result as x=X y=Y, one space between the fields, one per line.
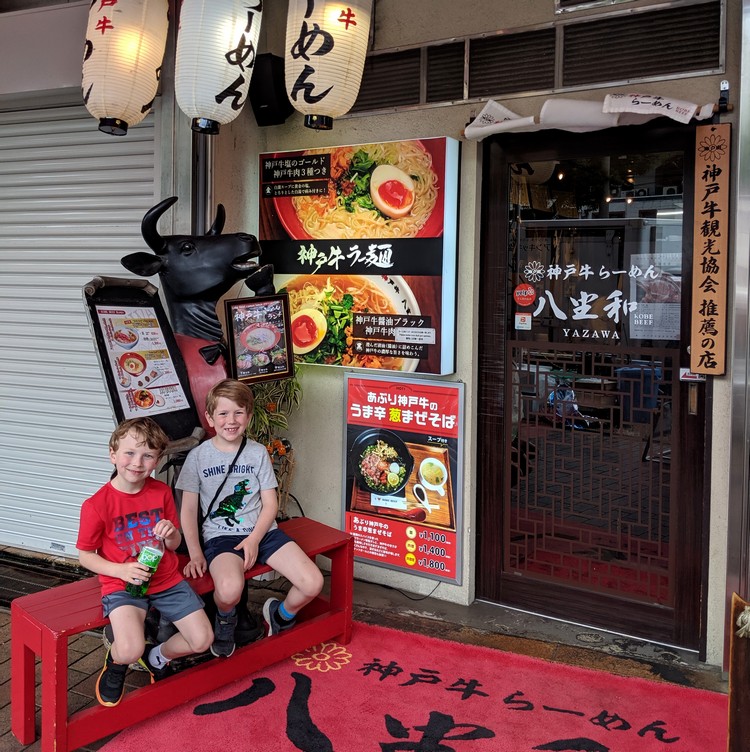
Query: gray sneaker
x=274 y=625
x=223 y=645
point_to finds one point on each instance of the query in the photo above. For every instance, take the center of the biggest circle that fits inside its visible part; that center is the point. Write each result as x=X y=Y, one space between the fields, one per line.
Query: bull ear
x=142 y=264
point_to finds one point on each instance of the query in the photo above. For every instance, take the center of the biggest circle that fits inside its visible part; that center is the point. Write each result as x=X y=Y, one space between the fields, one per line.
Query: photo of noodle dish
x=381 y=461
x=323 y=308
x=387 y=190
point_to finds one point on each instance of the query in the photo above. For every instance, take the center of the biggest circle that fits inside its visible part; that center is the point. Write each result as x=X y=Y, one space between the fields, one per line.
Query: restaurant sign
x=402 y=474
x=710 y=250
x=363 y=239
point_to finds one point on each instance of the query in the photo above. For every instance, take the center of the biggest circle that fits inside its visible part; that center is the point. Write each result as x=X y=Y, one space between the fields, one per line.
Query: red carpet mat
x=389 y=691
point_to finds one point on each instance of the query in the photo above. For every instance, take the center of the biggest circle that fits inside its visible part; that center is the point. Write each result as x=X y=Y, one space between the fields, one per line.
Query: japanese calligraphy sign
x=402 y=474
x=599 y=280
x=363 y=239
x=710 y=250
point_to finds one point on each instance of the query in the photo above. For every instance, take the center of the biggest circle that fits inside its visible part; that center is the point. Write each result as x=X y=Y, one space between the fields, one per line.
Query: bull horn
x=218 y=224
x=148 y=226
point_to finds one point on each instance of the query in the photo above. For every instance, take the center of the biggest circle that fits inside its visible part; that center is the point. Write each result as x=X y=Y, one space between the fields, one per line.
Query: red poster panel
x=363 y=239
x=403 y=474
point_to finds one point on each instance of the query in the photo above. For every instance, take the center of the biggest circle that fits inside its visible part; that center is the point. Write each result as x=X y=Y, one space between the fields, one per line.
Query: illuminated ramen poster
x=363 y=239
x=402 y=474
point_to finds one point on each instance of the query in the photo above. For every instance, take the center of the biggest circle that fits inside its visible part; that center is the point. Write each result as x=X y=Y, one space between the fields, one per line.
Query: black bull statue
x=195 y=271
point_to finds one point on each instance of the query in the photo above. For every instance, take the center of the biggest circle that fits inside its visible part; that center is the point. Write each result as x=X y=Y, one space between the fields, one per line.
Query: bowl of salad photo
x=380 y=462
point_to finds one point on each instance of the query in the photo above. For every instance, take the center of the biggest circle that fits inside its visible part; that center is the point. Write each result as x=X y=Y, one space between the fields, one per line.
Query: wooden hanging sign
x=708 y=325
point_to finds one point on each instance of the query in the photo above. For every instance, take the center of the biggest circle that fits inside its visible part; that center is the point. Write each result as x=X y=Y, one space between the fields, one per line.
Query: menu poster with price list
x=403 y=474
x=139 y=359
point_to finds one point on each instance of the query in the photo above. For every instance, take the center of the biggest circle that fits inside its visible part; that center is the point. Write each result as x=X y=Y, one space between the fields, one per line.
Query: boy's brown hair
x=233 y=390
x=146 y=429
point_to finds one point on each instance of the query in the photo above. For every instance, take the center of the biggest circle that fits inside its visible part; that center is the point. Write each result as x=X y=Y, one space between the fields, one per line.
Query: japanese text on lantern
x=243 y=58
x=710 y=250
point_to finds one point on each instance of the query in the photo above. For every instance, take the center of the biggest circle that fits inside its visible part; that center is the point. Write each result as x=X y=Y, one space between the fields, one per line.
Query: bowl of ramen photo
x=260 y=337
x=132 y=363
x=125 y=337
x=388 y=190
x=143 y=398
x=380 y=461
x=322 y=310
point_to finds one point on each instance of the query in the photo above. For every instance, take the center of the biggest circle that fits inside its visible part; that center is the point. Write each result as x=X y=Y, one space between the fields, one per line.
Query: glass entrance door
x=590 y=518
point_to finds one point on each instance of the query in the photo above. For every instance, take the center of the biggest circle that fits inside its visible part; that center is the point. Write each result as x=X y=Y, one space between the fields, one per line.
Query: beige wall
x=317 y=430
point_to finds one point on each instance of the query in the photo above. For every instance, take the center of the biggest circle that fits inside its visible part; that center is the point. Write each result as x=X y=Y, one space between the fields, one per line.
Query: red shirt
x=117 y=524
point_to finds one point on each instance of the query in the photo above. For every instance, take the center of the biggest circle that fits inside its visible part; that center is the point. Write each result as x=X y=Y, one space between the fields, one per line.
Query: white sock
x=156 y=658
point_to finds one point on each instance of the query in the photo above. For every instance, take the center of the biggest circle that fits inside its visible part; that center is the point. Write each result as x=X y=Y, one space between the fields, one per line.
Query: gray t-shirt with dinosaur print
x=238 y=506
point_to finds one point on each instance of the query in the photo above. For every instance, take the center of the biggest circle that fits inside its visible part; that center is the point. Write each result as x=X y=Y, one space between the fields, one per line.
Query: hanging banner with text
x=402 y=474
x=363 y=239
x=708 y=329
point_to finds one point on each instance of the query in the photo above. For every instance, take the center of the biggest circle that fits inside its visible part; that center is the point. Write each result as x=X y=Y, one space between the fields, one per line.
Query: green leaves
x=274 y=402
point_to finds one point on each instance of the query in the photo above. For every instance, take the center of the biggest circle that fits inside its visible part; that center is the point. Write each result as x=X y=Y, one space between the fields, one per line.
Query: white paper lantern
x=216 y=48
x=326 y=44
x=125 y=41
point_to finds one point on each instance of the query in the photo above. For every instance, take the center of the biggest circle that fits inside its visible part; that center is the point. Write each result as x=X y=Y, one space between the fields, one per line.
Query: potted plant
x=274 y=402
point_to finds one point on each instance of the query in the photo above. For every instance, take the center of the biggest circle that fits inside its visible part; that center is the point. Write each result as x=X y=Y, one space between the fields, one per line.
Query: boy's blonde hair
x=233 y=390
x=146 y=429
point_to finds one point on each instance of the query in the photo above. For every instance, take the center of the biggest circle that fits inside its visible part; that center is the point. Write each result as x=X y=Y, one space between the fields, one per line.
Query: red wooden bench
x=42 y=623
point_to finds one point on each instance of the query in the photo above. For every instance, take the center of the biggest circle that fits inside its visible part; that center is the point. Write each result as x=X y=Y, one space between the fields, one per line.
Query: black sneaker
x=110 y=685
x=223 y=644
x=249 y=628
x=143 y=664
x=274 y=624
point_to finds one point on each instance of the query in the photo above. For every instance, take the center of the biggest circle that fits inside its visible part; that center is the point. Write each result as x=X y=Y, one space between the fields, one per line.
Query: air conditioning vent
x=445 y=72
x=389 y=80
x=607 y=48
x=642 y=45
x=512 y=62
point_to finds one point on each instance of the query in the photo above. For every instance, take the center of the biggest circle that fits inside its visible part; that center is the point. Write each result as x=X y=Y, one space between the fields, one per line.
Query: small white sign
x=414 y=336
x=390 y=502
x=687 y=375
x=523 y=321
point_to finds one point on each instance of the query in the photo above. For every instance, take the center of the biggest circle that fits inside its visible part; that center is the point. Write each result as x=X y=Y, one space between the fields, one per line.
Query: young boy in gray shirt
x=240 y=521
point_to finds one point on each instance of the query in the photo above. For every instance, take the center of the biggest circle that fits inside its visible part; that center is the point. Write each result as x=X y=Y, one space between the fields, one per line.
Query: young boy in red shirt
x=116 y=522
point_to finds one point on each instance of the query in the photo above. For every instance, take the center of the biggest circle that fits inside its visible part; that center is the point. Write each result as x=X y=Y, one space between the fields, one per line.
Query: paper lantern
x=326 y=44
x=216 y=49
x=125 y=41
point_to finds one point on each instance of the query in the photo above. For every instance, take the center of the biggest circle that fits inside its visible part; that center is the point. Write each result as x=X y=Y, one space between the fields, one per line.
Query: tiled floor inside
x=481 y=624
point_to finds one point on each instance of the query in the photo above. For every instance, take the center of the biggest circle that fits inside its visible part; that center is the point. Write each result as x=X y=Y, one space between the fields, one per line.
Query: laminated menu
x=145 y=374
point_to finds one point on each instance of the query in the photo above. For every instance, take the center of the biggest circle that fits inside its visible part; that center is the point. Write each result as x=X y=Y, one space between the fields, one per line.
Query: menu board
x=145 y=376
x=363 y=239
x=402 y=474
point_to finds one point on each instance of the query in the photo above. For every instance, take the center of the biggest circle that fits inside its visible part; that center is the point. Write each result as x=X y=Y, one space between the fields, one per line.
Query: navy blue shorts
x=271 y=542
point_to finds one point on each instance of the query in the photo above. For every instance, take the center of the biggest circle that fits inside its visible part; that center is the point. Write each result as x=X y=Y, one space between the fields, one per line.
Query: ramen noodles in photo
x=323 y=310
x=374 y=191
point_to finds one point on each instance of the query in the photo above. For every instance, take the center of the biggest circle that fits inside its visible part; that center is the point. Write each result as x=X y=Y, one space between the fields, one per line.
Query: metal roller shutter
x=71 y=203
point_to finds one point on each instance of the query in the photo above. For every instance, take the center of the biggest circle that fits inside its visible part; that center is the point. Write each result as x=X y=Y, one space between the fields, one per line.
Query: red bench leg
x=22 y=681
x=54 y=693
x=342 y=584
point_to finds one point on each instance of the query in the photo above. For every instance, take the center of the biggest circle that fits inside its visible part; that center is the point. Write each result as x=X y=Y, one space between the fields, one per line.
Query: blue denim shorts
x=175 y=603
x=271 y=542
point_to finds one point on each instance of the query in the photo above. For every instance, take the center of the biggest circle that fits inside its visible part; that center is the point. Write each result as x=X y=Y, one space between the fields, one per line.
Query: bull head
x=196 y=271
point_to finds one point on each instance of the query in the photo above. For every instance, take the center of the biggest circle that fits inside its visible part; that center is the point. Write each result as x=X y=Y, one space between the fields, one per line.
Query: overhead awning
x=581 y=116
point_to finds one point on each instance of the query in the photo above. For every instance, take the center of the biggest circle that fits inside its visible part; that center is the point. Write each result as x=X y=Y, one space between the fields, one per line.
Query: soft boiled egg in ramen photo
x=308 y=327
x=392 y=191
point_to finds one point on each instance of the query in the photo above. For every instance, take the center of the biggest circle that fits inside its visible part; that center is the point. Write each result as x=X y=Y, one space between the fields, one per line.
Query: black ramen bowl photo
x=380 y=462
